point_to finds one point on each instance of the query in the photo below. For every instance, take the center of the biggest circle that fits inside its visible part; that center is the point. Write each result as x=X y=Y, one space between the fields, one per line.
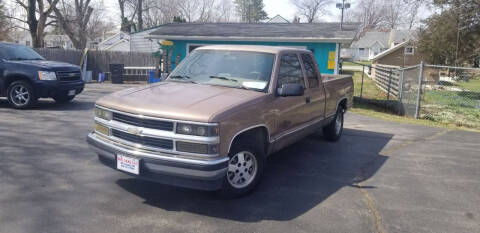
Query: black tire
x=252 y=148
x=18 y=100
x=62 y=99
x=333 y=131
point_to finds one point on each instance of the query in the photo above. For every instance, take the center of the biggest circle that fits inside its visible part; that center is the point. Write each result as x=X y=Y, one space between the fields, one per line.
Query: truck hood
x=51 y=65
x=180 y=101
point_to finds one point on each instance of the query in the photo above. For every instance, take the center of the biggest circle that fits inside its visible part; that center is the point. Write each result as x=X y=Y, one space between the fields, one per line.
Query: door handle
x=307 y=99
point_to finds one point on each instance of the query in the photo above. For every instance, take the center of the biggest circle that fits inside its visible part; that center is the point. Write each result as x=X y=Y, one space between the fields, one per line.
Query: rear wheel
x=245 y=168
x=63 y=98
x=20 y=95
x=334 y=129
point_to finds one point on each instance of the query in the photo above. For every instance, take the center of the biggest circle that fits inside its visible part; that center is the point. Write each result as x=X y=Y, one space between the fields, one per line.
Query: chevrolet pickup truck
x=25 y=76
x=211 y=124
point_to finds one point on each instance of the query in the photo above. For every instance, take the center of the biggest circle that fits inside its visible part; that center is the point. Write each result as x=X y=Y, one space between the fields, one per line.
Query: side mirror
x=290 y=89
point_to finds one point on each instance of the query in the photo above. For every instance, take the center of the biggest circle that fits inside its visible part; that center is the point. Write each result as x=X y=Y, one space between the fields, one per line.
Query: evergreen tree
x=453 y=35
x=250 y=10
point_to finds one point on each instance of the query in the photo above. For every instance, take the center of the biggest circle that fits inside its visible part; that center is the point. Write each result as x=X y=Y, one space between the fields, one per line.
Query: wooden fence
x=99 y=61
x=387 y=78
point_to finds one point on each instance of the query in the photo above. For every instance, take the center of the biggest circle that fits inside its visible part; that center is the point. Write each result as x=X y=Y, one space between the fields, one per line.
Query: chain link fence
x=439 y=93
x=450 y=95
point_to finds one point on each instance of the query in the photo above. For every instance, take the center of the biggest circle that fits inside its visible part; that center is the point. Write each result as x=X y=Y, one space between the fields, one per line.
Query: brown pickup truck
x=211 y=124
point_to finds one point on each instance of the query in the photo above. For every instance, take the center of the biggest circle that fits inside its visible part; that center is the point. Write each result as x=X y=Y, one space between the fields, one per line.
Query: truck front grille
x=146 y=123
x=68 y=76
x=146 y=141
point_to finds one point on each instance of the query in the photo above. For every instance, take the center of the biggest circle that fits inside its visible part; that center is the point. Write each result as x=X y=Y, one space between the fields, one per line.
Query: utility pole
x=342 y=6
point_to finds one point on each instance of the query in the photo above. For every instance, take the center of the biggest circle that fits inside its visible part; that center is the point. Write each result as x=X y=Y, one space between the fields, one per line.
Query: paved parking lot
x=380 y=177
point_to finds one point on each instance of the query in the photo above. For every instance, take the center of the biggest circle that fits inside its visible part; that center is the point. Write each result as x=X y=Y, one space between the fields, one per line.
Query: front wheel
x=334 y=129
x=20 y=95
x=245 y=169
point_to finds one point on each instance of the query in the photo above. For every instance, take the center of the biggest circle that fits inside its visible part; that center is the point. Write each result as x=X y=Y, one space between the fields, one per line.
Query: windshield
x=239 y=69
x=18 y=52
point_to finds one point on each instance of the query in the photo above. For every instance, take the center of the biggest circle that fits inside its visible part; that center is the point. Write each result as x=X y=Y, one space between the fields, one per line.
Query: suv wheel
x=20 y=95
x=333 y=131
x=245 y=168
x=63 y=98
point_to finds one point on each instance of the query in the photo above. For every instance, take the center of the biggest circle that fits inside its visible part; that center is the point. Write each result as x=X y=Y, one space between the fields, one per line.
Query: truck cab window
x=290 y=71
x=310 y=70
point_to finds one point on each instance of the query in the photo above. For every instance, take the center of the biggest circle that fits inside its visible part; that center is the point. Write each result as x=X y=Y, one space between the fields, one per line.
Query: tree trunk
x=140 y=15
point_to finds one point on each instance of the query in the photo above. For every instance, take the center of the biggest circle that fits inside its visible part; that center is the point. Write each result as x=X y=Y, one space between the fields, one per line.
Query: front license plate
x=128 y=164
x=71 y=92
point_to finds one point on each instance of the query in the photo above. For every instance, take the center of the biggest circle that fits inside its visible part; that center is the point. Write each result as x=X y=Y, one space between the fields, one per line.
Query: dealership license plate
x=128 y=164
x=71 y=92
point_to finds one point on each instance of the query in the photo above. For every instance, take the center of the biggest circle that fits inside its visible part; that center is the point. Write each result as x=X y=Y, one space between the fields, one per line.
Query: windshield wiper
x=182 y=77
x=224 y=78
x=235 y=81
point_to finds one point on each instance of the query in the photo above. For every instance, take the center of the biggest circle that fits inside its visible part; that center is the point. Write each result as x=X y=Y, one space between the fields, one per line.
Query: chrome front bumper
x=206 y=174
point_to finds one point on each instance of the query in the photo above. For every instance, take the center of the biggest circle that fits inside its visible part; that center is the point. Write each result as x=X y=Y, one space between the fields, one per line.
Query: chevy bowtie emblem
x=134 y=130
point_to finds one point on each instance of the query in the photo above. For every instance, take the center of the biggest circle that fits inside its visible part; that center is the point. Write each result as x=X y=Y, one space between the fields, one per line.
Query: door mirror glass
x=290 y=89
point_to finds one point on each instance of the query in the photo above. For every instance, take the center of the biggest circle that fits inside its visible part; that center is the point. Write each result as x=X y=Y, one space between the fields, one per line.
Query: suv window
x=290 y=70
x=310 y=70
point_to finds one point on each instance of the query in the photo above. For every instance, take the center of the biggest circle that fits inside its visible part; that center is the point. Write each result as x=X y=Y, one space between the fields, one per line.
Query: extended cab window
x=310 y=70
x=290 y=70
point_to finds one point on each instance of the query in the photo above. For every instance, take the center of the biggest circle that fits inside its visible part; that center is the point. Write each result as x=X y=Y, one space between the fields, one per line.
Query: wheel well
x=9 y=80
x=343 y=104
x=260 y=134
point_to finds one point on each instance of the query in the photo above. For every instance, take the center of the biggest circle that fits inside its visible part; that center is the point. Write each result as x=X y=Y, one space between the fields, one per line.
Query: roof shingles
x=258 y=30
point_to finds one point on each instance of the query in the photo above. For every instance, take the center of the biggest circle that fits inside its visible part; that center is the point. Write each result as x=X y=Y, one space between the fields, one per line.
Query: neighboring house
x=402 y=55
x=140 y=41
x=49 y=41
x=277 y=19
x=117 y=42
x=375 y=42
x=21 y=37
x=323 y=39
x=57 y=41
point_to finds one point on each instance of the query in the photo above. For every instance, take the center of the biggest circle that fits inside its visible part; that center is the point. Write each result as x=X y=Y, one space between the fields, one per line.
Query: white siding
x=138 y=43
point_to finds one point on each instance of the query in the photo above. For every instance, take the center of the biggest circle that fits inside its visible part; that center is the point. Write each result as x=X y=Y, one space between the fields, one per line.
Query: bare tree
x=73 y=17
x=311 y=10
x=393 y=13
x=370 y=13
x=3 y=23
x=37 y=18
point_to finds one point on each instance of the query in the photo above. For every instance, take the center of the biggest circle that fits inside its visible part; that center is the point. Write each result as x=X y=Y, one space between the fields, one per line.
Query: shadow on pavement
x=296 y=180
x=51 y=105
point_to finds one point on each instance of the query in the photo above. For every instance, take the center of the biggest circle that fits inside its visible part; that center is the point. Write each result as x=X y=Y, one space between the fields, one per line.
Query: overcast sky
x=272 y=7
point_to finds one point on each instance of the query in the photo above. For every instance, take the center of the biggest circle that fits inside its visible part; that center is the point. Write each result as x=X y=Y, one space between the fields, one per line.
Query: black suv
x=26 y=76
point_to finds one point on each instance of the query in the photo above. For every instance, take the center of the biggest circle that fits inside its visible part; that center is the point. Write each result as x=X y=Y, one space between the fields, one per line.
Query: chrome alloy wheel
x=19 y=95
x=242 y=169
x=338 y=123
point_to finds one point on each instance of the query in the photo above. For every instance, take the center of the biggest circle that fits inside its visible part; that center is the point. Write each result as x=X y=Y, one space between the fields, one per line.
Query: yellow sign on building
x=167 y=43
x=331 y=60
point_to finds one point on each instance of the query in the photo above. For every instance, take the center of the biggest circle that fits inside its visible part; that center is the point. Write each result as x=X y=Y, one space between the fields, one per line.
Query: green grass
x=440 y=108
x=370 y=90
x=458 y=107
x=348 y=63
x=472 y=84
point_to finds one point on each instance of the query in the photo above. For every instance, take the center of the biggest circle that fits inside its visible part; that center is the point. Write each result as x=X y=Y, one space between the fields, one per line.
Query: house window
x=409 y=50
x=361 y=51
x=27 y=43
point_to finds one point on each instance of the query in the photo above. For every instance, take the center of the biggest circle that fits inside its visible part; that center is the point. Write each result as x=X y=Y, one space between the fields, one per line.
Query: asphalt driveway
x=380 y=177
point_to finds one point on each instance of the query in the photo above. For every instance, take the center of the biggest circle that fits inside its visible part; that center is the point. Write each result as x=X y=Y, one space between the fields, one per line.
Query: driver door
x=291 y=110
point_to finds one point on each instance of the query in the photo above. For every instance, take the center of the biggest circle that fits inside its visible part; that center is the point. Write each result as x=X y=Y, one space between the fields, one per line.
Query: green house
x=323 y=39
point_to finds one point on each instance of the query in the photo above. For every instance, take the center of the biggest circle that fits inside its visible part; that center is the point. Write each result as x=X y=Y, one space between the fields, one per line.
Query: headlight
x=47 y=75
x=102 y=113
x=197 y=130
